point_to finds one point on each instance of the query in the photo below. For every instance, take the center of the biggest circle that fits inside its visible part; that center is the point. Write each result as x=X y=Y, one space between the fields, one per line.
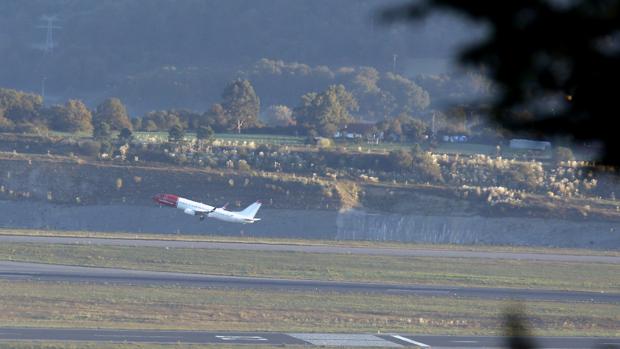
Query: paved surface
x=281 y=339
x=315 y=249
x=53 y=272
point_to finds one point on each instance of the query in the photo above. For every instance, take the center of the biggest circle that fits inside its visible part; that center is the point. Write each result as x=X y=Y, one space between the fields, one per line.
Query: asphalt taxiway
x=65 y=273
x=399 y=252
x=389 y=340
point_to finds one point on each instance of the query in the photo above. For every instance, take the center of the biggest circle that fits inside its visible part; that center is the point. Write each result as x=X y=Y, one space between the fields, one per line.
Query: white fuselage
x=199 y=209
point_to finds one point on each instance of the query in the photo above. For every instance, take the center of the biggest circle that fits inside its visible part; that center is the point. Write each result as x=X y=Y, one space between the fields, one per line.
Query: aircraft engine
x=190 y=212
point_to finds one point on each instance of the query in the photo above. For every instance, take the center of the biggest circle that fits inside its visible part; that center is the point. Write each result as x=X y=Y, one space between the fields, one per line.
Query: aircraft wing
x=199 y=210
x=206 y=210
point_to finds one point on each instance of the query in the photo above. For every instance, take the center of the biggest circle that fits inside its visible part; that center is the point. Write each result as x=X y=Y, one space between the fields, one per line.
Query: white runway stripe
x=344 y=339
x=405 y=339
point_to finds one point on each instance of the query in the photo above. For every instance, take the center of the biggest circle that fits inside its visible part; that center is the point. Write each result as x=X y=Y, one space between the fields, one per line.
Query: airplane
x=201 y=210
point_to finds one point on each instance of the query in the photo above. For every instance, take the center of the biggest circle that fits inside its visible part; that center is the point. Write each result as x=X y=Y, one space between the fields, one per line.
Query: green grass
x=50 y=304
x=228 y=137
x=385 y=147
x=302 y=242
x=107 y=345
x=340 y=267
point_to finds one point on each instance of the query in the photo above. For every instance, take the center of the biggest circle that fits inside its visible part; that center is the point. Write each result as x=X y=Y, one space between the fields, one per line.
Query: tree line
x=320 y=113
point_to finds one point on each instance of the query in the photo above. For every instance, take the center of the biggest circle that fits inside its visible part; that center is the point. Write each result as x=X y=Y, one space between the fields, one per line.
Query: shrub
x=323 y=142
x=400 y=160
x=562 y=154
x=427 y=167
x=243 y=165
x=89 y=148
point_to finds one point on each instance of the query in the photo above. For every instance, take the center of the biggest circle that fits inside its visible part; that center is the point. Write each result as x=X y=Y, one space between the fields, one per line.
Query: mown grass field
x=104 y=345
x=384 y=147
x=60 y=304
x=302 y=242
x=227 y=137
x=340 y=267
x=43 y=304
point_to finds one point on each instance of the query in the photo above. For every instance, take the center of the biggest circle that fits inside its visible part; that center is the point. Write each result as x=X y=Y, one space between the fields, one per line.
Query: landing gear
x=202 y=217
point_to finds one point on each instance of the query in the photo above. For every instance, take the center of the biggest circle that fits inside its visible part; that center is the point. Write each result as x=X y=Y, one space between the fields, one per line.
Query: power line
x=49 y=27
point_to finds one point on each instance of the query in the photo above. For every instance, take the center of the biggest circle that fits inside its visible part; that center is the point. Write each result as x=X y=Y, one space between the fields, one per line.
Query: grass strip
x=106 y=345
x=53 y=304
x=321 y=266
x=302 y=242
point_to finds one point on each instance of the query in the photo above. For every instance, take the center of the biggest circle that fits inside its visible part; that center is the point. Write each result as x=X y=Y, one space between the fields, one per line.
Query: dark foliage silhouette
x=558 y=59
x=516 y=332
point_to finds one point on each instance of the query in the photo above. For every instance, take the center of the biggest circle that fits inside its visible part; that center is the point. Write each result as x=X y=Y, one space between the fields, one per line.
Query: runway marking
x=241 y=338
x=134 y=336
x=344 y=339
x=405 y=339
x=401 y=290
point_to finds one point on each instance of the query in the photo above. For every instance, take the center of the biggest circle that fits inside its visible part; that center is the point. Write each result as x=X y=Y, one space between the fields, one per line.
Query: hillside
x=192 y=48
x=74 y=181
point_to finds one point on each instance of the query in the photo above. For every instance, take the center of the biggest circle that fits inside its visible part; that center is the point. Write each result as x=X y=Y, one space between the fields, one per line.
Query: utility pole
x=433 y=125
x=49 y=27
x=394 y=63
x=48 y=46
x=43 y=88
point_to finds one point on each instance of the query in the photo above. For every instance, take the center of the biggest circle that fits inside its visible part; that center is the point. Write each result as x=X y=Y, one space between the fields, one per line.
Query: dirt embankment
x=429 y=200
x=65 y=193
x=73 y=181
x=67 y=181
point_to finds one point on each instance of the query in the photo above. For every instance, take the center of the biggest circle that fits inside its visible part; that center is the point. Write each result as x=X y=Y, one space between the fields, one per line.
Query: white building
x=528 y=144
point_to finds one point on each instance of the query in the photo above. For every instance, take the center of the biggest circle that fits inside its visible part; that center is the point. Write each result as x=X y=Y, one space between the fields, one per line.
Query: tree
x=5 y=123
x=241 y=104
x=19 y=107
x=279 y=115
x=411 y=128
x=90 y=148
x=425 y=166
x=125 y=135
x=404 y=127
x=74 y=116
x=106 y=147
x=113 y=112
x=102 y=131
x=176 y=134
x=556 y=58
x=216 y=118
x=161 y=120
x=136 y=123
x=374 y=103
x=562 y=154
x=150 y=126
x=392 y=129
x=204 y=133
x=328 y=111
x=415 y=130
x=400 y=160
x=407 y=96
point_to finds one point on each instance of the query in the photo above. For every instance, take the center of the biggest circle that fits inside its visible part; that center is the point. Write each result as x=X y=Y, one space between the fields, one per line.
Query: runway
x=389 y=340
x=398 y=252
x=53 y=272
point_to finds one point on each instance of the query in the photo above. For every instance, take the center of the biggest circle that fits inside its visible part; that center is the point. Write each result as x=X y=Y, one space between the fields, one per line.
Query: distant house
x=356 y=131
x=455 y=138
x=528 y=144
x=348 y=135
